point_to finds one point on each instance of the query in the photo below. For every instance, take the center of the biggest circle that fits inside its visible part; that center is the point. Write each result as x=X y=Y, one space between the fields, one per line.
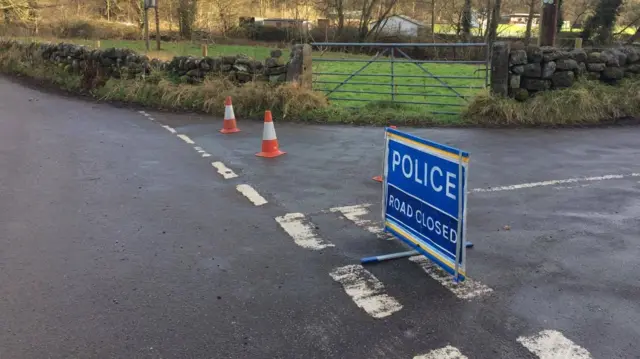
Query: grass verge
x=249 y=100
x=586 y=103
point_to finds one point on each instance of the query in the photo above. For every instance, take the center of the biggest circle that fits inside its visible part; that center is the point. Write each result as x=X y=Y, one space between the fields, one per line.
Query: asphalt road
x=119 y=240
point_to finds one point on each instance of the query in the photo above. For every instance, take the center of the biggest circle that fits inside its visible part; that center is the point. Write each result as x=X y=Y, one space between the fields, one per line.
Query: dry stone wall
x=533 y=69
x=117 y=63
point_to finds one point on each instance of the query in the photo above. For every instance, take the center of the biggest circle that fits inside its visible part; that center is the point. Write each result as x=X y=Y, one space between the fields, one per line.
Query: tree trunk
x=170 y=15
x=433 y=20
x=157 y=28
x=560 y=17
x=466 y=21
x=527 y=35
x=340 y=11
x=495 y=21
x=186 y=17
x=488 y=19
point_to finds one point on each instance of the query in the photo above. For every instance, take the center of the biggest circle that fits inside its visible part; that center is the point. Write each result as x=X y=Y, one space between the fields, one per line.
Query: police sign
x=424 y=199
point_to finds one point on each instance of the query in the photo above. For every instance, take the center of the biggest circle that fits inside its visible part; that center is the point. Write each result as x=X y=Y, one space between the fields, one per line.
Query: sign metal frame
x=453 y=260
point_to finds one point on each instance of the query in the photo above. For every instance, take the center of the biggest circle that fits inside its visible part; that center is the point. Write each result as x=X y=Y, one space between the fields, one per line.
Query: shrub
x=270 y=34
x=587 y=102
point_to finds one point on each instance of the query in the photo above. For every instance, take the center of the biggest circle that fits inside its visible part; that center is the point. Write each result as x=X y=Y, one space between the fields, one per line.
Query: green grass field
x=430 y=87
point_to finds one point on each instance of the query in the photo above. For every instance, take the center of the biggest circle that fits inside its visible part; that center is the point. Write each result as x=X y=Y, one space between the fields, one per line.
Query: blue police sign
x=424 y=199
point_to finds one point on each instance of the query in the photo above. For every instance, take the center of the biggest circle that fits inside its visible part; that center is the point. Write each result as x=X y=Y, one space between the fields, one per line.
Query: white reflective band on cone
x=269 y=132
x=228 y=113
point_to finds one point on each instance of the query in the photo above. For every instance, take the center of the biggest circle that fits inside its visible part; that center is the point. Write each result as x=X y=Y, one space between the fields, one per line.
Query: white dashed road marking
x=146 y=115
x=447 y=352
x=226 y=172
x=468 y=289
x=554 y=183
x=251 y=194
x=170 y=129
x=302 y=231
x=551 y=344
x=356 y=214
x=186 y=139
x=366 y=290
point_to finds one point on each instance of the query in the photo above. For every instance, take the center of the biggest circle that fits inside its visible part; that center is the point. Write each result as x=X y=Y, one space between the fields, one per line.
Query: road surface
x=121 y=239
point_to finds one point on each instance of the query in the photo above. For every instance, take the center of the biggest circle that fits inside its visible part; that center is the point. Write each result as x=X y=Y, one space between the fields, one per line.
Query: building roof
x=520 y=14
x=284 y=20
x=405 y=18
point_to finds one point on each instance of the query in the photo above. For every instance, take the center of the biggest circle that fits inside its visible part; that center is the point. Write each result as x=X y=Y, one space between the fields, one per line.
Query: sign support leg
x=459 y=232
x=386 y=257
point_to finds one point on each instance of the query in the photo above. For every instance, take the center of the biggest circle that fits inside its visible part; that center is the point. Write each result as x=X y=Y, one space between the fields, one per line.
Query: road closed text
x=431 y=223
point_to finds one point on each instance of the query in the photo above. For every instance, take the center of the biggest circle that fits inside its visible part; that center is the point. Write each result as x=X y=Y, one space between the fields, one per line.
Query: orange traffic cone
x=229 y=124
x=269 y=140
x=379 y=178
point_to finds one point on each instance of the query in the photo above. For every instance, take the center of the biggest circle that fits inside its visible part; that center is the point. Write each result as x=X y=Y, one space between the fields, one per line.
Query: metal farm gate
x=429 y=77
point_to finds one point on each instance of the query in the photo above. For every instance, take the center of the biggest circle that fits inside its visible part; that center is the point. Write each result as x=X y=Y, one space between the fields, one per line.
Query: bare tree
x=532 y=9
x=366 y=17
x=16 y=10
x=495 y=21
x=466 y=20
x=186 y=17
x=220 y=15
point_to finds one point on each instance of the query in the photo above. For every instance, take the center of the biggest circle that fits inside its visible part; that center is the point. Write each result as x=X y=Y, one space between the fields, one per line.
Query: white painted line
x=251 y=194
x=366 y=290
x=205 y=155
x=356 y=214
x=146 y=115
x=302 y=231
x=226 y=172
x=198 y=148
x=554 y=183
x=551 y=344
x=447 y=352
x=170 y=129
x=468 y=289
x=570 y=187
x=186 y=139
